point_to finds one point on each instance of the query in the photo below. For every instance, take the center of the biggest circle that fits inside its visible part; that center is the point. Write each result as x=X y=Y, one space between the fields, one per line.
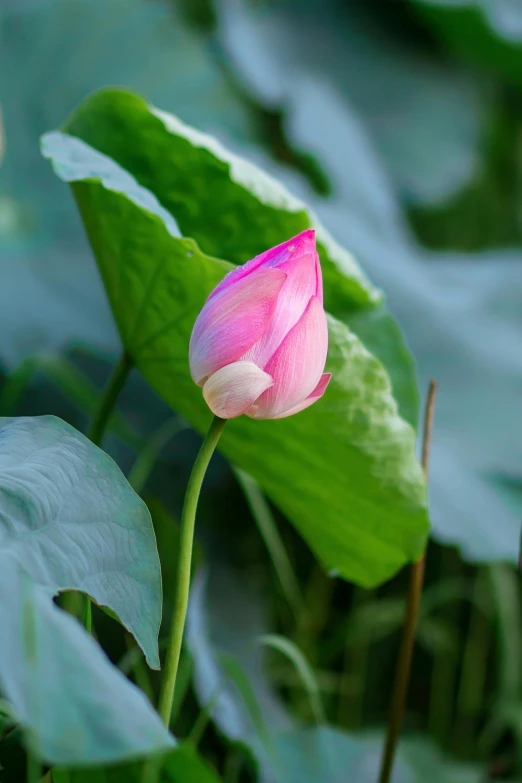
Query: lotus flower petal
x=297 y=365
x=271 y=259
x=313 y=397
x=232 y=321
x=300 y=285
x=233 y=389
x=259 y=345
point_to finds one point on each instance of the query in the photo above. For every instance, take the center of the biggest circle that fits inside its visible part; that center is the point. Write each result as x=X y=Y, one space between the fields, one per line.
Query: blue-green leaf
x=75 y=705
x=71 y=520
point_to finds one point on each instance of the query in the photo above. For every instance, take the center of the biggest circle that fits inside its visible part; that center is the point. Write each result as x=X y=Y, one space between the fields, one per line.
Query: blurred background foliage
x=400 y=123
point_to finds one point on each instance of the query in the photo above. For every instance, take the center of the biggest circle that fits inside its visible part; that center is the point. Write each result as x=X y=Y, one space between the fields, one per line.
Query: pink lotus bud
x=259 y=344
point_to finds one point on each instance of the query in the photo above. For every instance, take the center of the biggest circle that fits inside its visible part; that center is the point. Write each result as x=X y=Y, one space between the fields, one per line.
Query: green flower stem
x=111 y=393
x=188 y=518
x=402 y=672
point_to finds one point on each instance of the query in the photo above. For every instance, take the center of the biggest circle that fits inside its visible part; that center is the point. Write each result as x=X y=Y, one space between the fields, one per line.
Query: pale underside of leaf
x=70 y=519
x=76 y=706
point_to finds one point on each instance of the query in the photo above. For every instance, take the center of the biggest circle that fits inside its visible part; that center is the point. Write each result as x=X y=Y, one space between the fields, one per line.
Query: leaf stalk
x=402 y=672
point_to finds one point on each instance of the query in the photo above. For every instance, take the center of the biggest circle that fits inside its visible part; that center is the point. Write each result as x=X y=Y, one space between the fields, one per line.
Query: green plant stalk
x=307 y=636
x=183 y=680
x=445 y=665
x=202 y=721
x=356 y=660
x=72 y=602
x=305 y=672
x=151 y=770
x=402 y=672
x=471 y=693
x=505 y=588
x=34 y=769
x=233 y=764
x=188 y=518
x=268 y=528
x=15 y=385
x=505 y=593
x=148 y=456
x=110 y=394
x=139 y=669
x=87 y=618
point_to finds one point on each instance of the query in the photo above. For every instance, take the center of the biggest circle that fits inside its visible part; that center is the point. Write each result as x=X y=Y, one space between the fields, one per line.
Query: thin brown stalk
x=402 y=672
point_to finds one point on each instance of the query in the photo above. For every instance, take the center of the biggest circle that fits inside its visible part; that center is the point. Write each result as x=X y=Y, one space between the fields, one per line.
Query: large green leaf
x=71 y=520
x=77 y=707
x=182 y=765
x=345 y=471
x=229 y=206
x=234 y=210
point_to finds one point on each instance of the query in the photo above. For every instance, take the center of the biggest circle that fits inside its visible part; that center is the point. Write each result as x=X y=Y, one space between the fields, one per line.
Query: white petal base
x=232 y=390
